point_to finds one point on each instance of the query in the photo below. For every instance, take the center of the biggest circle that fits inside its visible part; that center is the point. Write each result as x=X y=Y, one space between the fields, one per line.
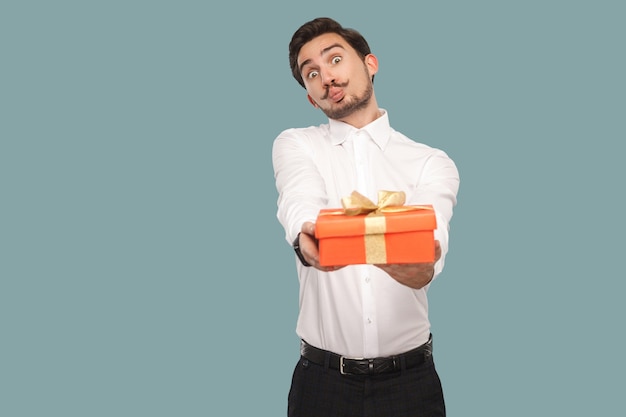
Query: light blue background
x=143 y=272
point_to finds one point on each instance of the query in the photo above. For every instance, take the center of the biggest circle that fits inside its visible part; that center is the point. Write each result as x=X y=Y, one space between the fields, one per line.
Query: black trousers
x=317 y=391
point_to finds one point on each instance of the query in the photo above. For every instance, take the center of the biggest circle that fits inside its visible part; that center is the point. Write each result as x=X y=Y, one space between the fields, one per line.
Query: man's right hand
x=309 y=249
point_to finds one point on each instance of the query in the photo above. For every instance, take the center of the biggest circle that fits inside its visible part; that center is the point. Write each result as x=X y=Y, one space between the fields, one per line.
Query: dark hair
x=317 y=27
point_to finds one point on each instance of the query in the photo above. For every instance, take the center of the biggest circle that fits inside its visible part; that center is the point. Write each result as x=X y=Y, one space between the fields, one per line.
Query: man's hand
x=308 y=247
x=413 y=275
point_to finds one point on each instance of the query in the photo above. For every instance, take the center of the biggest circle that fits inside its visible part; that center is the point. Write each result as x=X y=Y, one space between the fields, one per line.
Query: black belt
x=361 y=366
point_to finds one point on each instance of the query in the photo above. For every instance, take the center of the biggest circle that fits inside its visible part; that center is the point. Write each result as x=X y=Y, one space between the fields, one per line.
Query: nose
x=328 y=78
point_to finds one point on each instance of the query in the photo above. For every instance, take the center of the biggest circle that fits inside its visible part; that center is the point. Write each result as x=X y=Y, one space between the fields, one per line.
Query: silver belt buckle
x=341 y=358
x=341 y=366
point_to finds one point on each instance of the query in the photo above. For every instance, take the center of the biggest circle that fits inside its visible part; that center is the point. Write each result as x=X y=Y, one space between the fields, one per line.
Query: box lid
x=334 y=223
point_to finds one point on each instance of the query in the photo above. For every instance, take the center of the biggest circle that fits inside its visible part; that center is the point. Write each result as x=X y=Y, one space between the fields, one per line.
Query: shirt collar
x=379 y=130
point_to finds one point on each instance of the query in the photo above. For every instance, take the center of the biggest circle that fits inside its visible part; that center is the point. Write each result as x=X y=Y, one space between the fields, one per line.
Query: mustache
x=333 y=84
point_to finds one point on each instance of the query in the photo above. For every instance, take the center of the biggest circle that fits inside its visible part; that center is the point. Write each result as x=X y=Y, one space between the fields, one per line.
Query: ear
x=371 y=62
x=313 y=103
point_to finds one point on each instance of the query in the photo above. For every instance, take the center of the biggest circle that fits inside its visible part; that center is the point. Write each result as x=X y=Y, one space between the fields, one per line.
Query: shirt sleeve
x=438 y=184
x=301 y=188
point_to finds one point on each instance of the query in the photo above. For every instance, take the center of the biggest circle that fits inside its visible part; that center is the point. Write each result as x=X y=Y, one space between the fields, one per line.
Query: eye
x=312 y=74
x=336 y=59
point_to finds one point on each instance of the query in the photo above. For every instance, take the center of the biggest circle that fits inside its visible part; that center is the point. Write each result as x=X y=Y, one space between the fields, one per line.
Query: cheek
x=313 y=89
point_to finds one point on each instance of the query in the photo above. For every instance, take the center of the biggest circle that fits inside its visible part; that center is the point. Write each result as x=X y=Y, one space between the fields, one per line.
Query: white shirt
x=359 y=311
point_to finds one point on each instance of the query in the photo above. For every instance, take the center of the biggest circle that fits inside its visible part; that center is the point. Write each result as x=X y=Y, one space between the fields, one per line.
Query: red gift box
x=387 y=235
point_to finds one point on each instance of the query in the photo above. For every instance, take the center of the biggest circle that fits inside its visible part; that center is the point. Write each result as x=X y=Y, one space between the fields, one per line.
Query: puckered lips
x=335 y=94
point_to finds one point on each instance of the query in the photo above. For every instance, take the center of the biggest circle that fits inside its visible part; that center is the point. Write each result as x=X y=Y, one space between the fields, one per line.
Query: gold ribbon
x=375 y=222
x=375 y=245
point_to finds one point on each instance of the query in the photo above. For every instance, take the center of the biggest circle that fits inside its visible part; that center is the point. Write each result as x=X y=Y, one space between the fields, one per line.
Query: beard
x=350 y=104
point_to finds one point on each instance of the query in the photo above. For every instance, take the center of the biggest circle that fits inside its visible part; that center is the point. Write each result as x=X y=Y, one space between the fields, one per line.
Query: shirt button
x=369 y=320
x=367 y=280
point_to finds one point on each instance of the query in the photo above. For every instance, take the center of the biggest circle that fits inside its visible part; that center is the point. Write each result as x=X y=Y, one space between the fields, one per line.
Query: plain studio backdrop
x=142 y=268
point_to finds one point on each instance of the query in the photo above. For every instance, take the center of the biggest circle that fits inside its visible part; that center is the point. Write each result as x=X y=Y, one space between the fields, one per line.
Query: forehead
x=320 y=45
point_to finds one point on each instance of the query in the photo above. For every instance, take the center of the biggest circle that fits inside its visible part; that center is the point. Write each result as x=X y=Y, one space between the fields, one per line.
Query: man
x=376 y=312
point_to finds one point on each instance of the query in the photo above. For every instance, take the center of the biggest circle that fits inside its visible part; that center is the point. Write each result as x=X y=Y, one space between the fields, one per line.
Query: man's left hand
x=413 y=275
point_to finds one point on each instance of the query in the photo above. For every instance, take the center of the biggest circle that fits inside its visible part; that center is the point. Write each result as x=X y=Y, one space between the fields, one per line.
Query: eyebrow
x=325 y=50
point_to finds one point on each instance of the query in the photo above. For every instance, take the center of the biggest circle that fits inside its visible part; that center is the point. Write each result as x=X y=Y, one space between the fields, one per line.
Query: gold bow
x=388 y=201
